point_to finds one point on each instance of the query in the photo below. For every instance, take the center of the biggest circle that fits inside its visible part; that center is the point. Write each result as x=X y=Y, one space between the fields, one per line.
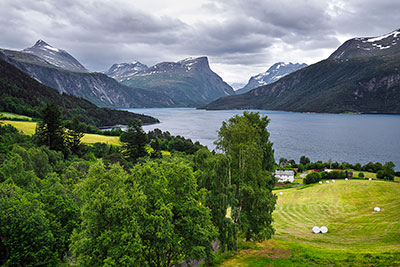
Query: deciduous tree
x=245 y=141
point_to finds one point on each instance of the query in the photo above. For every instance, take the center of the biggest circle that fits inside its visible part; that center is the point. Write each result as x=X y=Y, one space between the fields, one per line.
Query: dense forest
x=157 y=200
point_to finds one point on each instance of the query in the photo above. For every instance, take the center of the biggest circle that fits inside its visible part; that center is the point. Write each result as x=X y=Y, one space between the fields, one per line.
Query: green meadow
x=357 y=236
x=29 y=128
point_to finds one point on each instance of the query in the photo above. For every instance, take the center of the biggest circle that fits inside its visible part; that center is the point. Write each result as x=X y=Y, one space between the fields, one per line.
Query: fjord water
x=340 y=137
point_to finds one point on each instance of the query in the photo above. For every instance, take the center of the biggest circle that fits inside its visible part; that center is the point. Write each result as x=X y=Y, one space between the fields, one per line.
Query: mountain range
x=21 y=94
x=189 y=82
x=362 y=75
x=95 y=87
x=274 y=73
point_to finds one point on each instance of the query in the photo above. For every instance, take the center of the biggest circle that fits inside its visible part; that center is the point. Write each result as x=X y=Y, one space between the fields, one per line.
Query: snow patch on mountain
x=54 y=56
x=274 y=73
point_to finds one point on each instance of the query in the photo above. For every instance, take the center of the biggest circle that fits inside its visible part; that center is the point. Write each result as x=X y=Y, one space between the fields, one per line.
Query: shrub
x=312 y=178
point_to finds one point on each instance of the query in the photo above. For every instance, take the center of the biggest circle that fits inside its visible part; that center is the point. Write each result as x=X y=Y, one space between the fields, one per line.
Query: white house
x=284 y=175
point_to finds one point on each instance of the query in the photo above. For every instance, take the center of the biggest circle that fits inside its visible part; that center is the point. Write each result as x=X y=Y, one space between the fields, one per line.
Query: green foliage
x=304 y=160
x=212 y=174
x=25 y=235
x=61 y=210
x=361 y=175
x=134 y=141
x=176 y=225
x=50 y=132
x=173 y=143
x=109 y=232
x=245 y=141
x=388 y=171
x=311 y=178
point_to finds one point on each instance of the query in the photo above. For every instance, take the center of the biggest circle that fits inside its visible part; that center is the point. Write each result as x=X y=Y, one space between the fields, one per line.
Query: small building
x=284 y=175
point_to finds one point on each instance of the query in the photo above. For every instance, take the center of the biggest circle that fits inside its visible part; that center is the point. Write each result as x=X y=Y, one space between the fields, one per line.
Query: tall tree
x=212 y=174
x=50 y=131
x=245 y=141
x=176 y=225
x=134 y=140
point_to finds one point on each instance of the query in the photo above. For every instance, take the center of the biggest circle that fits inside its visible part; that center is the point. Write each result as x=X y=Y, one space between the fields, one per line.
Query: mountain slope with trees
x=366 y=84
x=23 y=95
x=68 y=77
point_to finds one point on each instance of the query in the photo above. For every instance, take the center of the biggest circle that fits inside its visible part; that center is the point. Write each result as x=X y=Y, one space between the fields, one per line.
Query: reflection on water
x=340 y=137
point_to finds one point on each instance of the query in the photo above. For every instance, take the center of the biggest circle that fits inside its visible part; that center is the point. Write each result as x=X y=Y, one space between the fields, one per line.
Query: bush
x=361 y=175
x=311 y=178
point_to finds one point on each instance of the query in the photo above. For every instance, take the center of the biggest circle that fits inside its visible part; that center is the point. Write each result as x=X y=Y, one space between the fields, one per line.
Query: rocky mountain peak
x=54 y=56
x=41 y=43
x=274 y=73
x=121 y=71
x=387 y=44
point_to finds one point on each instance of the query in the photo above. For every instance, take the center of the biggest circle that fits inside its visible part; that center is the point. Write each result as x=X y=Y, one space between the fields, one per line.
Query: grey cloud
x=237 y=32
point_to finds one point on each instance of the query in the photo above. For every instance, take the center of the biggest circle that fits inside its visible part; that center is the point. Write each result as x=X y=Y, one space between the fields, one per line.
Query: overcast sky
x=240 y=37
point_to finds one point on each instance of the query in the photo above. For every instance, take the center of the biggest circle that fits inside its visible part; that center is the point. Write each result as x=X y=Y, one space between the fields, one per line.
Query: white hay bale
x=327 y=182
x=377 y=209
x=370 y=179
x=316 y=230
x=333 y=180
x=324 y=229
x=320 y=182
x=346 y=179
x=281 y=193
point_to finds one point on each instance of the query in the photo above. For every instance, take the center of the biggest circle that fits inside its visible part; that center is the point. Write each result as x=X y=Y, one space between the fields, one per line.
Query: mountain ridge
x=274 y=73
x=95 y=87
x=189 y=82
x=360 y=84
x=54 y=56
x=21 y=94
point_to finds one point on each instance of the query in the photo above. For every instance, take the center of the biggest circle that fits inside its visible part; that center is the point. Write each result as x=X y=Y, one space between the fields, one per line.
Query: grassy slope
x=29 y=128
x=357 y=235
x=346 y=208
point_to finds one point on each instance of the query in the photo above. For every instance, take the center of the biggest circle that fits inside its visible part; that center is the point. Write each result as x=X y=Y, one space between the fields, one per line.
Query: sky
x=241 y=38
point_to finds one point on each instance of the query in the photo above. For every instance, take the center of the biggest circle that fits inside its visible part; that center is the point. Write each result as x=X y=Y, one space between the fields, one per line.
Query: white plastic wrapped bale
x=333 y=180
x=320 y=182
x=324 y=229
x=281 y=193
x=370 y=179
x=346 y=179
x=327 y=182
x=316 y=230
x=377 y=209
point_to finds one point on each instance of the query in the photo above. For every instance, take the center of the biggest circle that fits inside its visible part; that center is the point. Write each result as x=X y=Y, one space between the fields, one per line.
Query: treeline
x=305 y=164
x=103 y=205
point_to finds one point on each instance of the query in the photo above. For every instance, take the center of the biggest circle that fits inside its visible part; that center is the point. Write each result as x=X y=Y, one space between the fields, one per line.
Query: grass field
x=7 y=115
x=29 y=128
x=357 y=235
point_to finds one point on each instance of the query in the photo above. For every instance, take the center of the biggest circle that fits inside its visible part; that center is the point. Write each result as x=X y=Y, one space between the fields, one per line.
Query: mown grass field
x=7 y=115
x=29 y=128
x=357 y=235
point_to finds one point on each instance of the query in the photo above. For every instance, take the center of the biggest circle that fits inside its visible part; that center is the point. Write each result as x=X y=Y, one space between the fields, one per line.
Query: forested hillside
x=23 y=95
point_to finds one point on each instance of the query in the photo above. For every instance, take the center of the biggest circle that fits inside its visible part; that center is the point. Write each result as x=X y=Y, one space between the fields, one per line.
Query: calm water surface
x=340 y=137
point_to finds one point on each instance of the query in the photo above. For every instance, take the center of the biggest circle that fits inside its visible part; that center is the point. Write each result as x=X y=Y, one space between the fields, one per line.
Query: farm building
x=284 y=175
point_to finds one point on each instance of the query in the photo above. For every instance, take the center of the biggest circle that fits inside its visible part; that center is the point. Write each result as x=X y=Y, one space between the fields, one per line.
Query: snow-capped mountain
x=274 y=73
x=122 y=71
x=189 y=82
x=369 y=46
x=54 y=56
